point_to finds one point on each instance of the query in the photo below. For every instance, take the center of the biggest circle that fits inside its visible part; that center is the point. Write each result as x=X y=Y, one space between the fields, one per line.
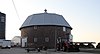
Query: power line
x=16 y=10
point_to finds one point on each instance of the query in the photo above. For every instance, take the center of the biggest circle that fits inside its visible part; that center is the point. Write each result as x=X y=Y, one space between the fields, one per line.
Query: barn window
x=35 y=39
x=35 y=27
x=64 y=28
x=68 y=30
x=46 y=39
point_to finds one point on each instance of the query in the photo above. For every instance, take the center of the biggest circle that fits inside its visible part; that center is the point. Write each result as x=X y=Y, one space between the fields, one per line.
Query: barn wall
x=39 y=36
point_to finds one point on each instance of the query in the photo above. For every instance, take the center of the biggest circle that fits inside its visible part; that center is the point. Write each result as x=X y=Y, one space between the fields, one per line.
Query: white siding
x=24 y=40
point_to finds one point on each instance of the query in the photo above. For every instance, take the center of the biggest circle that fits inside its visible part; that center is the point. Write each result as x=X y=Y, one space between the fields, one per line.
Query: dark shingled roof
x=45 y=19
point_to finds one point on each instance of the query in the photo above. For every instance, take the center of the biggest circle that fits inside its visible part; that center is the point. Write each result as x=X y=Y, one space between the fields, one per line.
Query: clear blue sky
x=82 y=15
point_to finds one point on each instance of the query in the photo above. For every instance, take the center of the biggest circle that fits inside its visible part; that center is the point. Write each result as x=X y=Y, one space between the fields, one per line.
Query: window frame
x=46 y=39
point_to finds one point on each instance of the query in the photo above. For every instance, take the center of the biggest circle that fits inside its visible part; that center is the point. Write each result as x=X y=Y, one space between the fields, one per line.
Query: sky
x=82 y=15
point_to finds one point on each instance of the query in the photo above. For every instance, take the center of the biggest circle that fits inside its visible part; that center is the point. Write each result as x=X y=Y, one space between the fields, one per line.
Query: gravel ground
x=23 y=51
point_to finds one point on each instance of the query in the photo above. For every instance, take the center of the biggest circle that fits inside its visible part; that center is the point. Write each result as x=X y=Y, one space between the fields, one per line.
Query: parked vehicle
x=69 y=47
x=98 y=46
x=6 y=44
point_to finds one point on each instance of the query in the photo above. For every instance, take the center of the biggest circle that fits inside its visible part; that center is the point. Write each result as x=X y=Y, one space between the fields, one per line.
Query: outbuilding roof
x=45 y=19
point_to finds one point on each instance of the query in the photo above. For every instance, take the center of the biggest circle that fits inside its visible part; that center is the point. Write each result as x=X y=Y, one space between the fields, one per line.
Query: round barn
x=44 y=30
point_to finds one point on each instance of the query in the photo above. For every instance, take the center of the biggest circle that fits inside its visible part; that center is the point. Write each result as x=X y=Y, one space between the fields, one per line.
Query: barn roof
x=45 y=19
